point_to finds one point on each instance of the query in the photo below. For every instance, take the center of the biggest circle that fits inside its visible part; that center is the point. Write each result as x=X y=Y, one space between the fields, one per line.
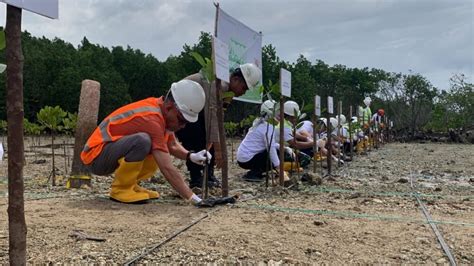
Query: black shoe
x=195 y=182
x=213 y=182
x=252 y=176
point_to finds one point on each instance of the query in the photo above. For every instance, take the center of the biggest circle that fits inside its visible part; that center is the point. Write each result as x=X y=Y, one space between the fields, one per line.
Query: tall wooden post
x=86 y=122
x=220 y=125
x=15 y=113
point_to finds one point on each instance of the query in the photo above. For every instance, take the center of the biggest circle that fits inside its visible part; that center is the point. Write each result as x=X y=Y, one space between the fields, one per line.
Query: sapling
x=231 y=130
x=51 y=118
x=275 y=90
x=69 y=122
x=34 y=131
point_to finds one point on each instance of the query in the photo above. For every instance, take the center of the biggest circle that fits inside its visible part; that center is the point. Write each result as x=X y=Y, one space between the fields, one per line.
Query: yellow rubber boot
x=148 y=170
x=125 y=179
x=360 y=147
x=291 y=166
x=318 y=157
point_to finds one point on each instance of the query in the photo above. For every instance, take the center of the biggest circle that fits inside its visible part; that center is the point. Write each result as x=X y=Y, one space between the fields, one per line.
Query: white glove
x=194 y=199
x=200 y=157
x=290 y=152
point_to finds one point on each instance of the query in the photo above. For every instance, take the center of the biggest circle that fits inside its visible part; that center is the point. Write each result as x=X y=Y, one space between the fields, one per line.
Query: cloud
x=430 y=37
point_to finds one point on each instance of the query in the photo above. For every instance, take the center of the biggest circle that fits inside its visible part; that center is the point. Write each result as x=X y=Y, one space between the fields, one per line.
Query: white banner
x=317 y=105
x=330 y=105
x=47 y=8
x=221 y=59
x=245 y=46
x=285 y=82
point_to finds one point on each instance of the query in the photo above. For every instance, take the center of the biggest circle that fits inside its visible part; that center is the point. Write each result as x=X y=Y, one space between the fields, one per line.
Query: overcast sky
x=432 y=37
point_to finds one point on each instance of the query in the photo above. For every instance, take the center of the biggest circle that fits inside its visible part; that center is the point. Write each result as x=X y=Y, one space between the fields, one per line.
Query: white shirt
x=287 y=134
x=255 y=142
x=307 y=126
x=376 y=117
x=343 y=131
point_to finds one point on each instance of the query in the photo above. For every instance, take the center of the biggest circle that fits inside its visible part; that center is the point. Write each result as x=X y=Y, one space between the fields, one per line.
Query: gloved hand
x=200 y=157
x=211 y=201
x=290 y=152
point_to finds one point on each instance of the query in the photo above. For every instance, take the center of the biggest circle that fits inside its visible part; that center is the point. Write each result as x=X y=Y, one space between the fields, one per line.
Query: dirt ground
x=364 y=213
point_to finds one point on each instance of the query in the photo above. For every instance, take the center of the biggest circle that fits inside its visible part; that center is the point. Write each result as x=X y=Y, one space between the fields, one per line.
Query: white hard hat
x=268 y=107
x=324 y=120
x=291 y=108
x=354 y=119
x=252 y=75
x=367 y=101
x=343 y=118
x=333 y=122
x=189 y=98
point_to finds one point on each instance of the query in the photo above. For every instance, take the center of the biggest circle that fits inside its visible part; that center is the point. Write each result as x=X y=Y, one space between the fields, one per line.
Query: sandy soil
x=365 y=213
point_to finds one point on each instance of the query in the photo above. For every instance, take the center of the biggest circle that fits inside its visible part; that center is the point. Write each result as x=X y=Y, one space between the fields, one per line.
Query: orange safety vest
x=102 y=135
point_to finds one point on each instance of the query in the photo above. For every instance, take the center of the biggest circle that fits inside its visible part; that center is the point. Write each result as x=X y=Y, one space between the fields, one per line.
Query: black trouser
x=134 y=148
x=308 y=151
x=347 y=146
x=258 y=163
x=193 y=138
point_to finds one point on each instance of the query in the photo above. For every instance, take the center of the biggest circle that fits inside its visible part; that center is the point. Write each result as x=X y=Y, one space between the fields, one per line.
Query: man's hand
x=200 y=157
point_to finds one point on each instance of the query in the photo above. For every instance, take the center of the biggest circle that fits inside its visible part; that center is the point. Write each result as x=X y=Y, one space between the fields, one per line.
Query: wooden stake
x=282 y=143
x=351 y=139
x=329 y=133
x=339 y=111
x=315 y=146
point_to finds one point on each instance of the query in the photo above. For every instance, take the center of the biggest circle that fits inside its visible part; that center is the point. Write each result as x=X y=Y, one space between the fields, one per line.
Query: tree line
x=54 y=69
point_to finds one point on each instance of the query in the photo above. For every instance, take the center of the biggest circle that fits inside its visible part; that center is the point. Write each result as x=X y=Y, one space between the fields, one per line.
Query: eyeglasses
x=181 y=119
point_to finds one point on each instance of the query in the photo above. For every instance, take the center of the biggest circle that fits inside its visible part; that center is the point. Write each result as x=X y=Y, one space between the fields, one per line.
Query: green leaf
x=2 y=40
x=228 y=94
x=70 y=122
x=198 y=58
x=300 y=124
x=308 y=108
x=3 y=126
x=273 y=122
x=276 y=89
x=51 y=117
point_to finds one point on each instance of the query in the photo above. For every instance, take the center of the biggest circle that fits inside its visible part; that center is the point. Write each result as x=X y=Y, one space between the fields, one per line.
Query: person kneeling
x=137 y=139
x=259 y=144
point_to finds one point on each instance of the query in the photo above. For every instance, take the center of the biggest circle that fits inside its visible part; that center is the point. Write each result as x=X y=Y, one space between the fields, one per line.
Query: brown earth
x=365 y=213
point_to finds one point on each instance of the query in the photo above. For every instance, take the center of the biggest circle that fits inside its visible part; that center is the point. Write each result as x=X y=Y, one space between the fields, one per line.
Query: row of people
x=258 y=151
x=137 y=139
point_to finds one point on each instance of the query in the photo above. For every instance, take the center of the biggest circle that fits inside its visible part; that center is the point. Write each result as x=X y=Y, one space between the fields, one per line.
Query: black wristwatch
x=188 y=155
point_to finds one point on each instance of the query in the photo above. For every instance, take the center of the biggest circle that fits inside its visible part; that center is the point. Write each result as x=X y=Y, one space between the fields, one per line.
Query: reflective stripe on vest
x=103 y=126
